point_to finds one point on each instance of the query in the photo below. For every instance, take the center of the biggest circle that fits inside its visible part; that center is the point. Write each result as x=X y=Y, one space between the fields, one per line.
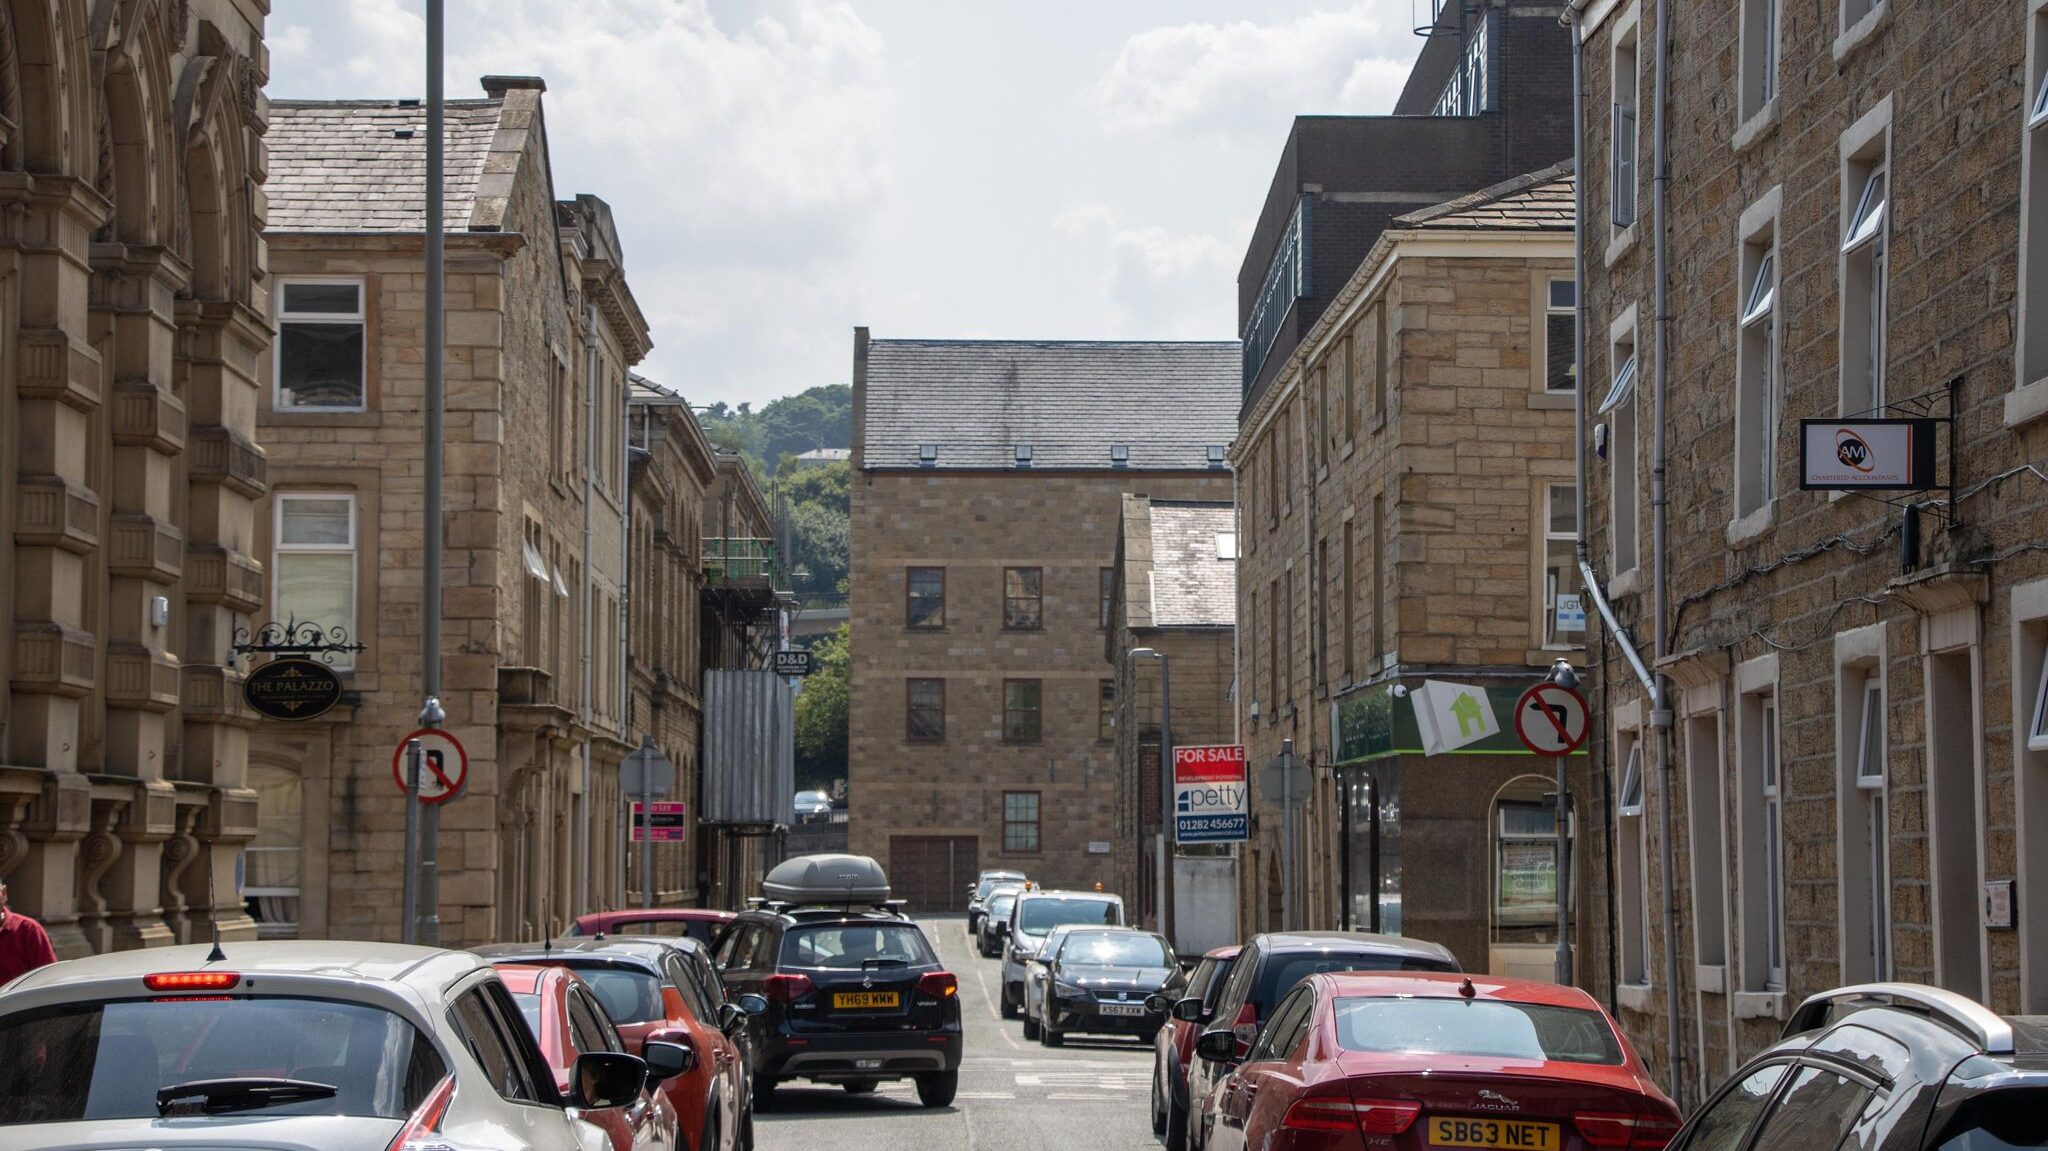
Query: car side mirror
x=730 y=1016
x=1158 y=1004
x=667 y=1059
x=605 y=1079
x=753 y=1004
x=1186 y=1010
x=1218 y=1046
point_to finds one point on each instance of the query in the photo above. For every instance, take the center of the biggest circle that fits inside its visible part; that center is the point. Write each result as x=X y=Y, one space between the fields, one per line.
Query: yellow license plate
x=865 y=1000
x=1512 y=1133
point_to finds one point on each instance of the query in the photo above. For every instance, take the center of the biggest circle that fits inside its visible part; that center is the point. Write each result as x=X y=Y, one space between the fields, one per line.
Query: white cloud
x=1155 y=281
x=741 y=153
x=1237 y=77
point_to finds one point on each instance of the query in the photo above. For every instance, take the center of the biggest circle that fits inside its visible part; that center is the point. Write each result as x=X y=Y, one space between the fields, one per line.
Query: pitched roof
x=1070 y=402
x=1193 y=585
x=1534 y=201
x=344 y=166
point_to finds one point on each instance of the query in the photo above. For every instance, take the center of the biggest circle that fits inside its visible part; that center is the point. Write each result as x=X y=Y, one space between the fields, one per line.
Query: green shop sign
x=1374 y=724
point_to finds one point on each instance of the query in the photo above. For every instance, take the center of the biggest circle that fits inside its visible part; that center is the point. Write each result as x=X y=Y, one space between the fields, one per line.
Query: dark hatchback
x=1099 y=980
x=854 y=998
x=1886 y=1067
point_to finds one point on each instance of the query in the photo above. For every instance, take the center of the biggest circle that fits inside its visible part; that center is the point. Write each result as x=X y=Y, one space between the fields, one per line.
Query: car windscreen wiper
x=219 y=1096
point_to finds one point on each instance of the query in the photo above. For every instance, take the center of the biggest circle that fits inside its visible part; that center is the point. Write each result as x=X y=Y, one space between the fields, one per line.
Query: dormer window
x=1023 y=455
x=927 y=455
x=1120 y=454
x=1215 y=455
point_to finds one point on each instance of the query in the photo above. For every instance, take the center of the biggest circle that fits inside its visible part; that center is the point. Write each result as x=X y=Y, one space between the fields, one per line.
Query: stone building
x=1849 y=765
x=1173 y=591
x=987 y=489
x=1402 y=486
x=541 y=331
x=134 y=319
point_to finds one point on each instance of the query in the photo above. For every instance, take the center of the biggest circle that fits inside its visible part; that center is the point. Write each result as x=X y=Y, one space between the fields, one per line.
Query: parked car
x=1174 y=1046
x=854 y=994
x=813 y=807
x=567 y=1022
x=1033 y=916
x=288 y=1044
x=1886 y=1067
x=1035 y=977
x=1430 y=1060
x=995 y=920
x=1268 y=968
x=650 y=994
x=1097 y=981
x=702 y=924
x=977 y=895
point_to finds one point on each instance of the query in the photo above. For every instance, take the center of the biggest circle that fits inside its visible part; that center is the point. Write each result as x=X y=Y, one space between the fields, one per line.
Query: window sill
x=1863 y=31
x=913 y=629
x=1757 y=524
x=1632 y=996
x=1760 y=1005
x=1711 y=978
x=2026 y=403
x=1549 y=401
x=1624 y=584
x=321 y=418
x=1620 y=245
x=1350 y=448
x=1757 y=128
x=1544 y=657
x=1022 y=742
x=1023 y=630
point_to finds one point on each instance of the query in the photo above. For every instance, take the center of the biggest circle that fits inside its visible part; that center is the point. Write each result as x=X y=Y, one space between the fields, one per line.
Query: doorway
x=1523 y=880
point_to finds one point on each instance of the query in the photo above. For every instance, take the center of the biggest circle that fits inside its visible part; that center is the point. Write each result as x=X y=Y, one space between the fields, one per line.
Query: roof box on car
x=840 y=880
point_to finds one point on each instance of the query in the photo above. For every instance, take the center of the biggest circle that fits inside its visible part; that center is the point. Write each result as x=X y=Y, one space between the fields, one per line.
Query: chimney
x=497 y=86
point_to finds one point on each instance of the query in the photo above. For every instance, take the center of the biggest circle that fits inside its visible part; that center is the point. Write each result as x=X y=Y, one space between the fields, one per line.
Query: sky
x=784 y=170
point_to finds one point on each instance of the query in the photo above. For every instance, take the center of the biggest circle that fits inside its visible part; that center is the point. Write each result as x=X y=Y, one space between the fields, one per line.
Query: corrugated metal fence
x=749 y=748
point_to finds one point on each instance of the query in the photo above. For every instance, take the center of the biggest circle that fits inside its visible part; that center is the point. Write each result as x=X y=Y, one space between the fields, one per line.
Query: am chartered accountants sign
x=1376 y=724
x=1211 y=799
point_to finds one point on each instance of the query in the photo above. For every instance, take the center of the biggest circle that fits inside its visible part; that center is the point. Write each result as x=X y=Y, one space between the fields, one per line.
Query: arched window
x=270 y=880
x=1524 y=879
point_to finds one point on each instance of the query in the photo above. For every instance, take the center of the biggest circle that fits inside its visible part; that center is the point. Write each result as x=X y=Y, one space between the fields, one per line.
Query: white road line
x=986 y=1095
x=1092 y=1097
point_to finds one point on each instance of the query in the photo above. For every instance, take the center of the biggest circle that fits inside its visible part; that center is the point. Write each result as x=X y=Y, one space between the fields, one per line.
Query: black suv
x=854 y=997
x=1886 y=1067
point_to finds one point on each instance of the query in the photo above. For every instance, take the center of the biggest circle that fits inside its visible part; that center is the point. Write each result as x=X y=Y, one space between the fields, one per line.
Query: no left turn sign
x=1550 y=719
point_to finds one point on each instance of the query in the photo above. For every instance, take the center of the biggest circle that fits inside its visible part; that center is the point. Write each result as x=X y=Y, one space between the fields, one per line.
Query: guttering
x=589 y=579
x=1620 y=633
x=1660 y=711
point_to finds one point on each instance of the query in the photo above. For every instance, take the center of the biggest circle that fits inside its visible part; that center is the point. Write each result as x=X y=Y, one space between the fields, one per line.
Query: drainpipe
x=1568 y=900
x=1660 y=712
x=625 y=489
x=589 y=579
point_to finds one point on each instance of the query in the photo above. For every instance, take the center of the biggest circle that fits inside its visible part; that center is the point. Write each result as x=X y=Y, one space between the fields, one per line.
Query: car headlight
x=1069 y=990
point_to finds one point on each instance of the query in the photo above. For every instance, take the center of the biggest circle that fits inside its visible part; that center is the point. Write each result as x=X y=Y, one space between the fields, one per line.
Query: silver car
x=291 y=1046
x=1033 y=916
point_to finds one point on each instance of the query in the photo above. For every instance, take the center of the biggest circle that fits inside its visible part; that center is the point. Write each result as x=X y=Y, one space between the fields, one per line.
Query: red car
x=651 y=994
x=1175 y=1045
x=1424 y=1060
x=567 y=1021
x=699 y=923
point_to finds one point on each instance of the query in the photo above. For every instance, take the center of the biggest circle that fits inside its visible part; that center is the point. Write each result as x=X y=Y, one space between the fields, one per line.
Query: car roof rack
x=1989 y=1030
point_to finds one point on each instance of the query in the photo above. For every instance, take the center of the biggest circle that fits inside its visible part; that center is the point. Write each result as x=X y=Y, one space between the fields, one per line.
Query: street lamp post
x=1165 y=789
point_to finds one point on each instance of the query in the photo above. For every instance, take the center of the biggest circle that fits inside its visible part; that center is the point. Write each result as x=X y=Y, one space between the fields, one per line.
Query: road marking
x=986 y=1095
x=1058 y=1095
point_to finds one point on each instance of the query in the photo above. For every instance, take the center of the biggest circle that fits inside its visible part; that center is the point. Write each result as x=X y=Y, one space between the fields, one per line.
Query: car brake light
x=787 y=988
x=1616 y=1129
x=426 y=1120
x=939 y=983
x=1366 y=1116
x=191 y=980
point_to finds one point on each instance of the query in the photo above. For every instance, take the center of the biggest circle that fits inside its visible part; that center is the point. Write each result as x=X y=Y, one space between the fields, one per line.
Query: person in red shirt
x=24 y=945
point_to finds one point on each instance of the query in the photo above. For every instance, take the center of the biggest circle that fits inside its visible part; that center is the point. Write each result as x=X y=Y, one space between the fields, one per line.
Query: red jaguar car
x=567 y=1021
x=1175 y=1045
x=699 y=923
x=1348 y=1061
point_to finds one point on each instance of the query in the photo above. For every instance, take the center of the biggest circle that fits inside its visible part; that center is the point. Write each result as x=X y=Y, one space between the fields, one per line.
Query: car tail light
x=940 y=983
x=1365 y=1116
x=787 y=988
x=426 y=1120
x=191 y=980
x=1618 y=1129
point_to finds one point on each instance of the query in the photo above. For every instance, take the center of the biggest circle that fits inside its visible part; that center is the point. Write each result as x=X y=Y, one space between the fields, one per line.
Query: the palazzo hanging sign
x=299 y=682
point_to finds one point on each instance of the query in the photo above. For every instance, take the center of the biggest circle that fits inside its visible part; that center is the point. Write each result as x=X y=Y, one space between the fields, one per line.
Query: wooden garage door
x=933 y=871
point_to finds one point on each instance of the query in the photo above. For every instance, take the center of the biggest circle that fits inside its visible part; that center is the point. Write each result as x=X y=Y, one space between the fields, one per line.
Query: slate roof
x=338 y=166
x=1191 y=585
x=1070 y=401
x=1535 y=201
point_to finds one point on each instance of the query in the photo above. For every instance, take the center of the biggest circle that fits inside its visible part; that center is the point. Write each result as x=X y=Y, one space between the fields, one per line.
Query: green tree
x=821 y=713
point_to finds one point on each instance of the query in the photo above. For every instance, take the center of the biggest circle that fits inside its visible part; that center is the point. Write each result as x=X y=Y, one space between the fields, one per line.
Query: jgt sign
x=1211 y=800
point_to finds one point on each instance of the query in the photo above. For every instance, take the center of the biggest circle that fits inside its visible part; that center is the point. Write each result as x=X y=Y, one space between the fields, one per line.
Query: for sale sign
x=1211 y=799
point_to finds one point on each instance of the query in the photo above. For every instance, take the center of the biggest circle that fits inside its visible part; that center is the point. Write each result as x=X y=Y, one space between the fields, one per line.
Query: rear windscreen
x=701 y=930
x=1283 y=971
x=1479 y=1027
x=627 y=994
x=1999 y=1121
x=86 y=1061
x=852 y=946
x=1041 y=915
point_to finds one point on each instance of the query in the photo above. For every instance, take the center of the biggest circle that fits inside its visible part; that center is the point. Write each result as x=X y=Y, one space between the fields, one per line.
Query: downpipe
x=589 y=579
